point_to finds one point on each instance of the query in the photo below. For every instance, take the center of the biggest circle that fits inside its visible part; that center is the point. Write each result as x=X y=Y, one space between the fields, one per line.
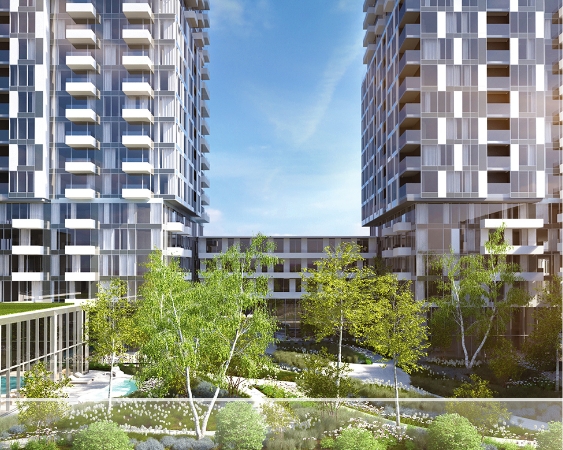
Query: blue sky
x=285 y=117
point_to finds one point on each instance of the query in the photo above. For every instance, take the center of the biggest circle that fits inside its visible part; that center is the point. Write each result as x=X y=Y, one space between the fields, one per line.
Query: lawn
x=20 y=307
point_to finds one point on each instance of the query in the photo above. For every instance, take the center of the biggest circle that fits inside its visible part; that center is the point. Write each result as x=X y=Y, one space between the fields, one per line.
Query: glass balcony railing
x=409 y=189
x=498 y=56
x=498 y=30
x=498 y=188
x=4 y=29
x=4 y=56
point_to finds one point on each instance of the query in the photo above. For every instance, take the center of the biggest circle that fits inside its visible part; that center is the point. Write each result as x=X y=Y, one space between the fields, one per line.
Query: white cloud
x=239 y=16
x=226 y=13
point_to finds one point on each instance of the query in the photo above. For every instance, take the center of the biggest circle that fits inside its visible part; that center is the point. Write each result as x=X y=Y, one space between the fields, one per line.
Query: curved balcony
x=81 y=141
x=81 y=11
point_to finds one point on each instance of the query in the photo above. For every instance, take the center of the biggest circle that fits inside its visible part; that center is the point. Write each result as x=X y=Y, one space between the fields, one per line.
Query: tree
x=391 y=322
x=543 y=343
x=331 y=293
x=240 y=427
x=197 y=329
x=551 y=439
x=477 y=291
x=322 y=378
x=453 y=432
x=483 y=415
x=110 y=326
x=38 y=384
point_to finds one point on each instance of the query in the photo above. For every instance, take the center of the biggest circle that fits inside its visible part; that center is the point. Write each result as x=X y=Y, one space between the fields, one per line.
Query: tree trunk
x=110 y=380
x=397 y=412
x=198 y=432
x=483 y=341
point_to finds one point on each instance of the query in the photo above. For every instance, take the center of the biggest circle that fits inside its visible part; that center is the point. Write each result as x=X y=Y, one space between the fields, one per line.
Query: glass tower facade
x=461 y=131
x=102 y=140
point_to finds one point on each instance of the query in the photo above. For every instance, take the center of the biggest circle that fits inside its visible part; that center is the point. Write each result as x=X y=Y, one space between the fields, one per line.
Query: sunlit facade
x=103 y=125
x=461 y=132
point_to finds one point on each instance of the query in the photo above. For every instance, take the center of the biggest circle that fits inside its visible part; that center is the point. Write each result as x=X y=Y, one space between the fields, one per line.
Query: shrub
x=149 y=444
x=504 y=361
x=16 y=429
x=489 y=447
x=203 y=444
x=40 y=444
x=419 y=437
x=168 y=441
x=240 y=427
x=104 y=435
x=357 y=439
x=453 y=432
x=551 y=438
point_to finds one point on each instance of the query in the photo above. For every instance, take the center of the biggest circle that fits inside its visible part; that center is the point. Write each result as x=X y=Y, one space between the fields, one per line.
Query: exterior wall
x=53 y=335
x=297 y=253
x=461 y=132
x=106 y=141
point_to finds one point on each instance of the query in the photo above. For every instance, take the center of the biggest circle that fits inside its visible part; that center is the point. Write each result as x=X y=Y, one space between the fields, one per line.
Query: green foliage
x=484 y=415
x=551 y=438
x=273 y=391
x=240 y=427
x=504 y=361
x=322 y=378
x=197 y=330
x=357 y=439
x=38 y=384
x=40 y=444
x=453 y=432
x=104 y=435
x=542 y=343
x=476 y=292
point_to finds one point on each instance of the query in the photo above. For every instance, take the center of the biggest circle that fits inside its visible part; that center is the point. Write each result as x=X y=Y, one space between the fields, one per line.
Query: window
x=279 y=245
x=278 y=267
x=281 y=285
x=26 y=102
x=295 y=265
x=314 y=245
x=295 y=246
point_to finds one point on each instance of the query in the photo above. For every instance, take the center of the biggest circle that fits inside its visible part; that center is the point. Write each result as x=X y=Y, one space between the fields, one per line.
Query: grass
x=348 y=355
x=7 y=308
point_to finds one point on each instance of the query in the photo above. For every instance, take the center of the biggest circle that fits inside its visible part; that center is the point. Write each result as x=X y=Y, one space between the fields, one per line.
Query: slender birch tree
x=109 y=326
x=195 y=330
x=477 y=291
x=332 y=290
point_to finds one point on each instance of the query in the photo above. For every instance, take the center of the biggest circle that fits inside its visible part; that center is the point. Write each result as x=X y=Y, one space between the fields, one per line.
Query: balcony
x=387 y=253
x=409 y=63
x=204 y=91
x=498 y=56
x=204 y=181
x=409 y=165
x=81 y=11
x=498 y=83
x=498 y=136
x=137 y=141
x=137 y=89
x=520 y=250
x=81 y=62
x=81 y=167
x=81 y=141
x=204 y=163
x=409 y=139
x=369 y=37
x=402 y=227
x=204 y=73
x=402 y=251
x=204 y=127
x=81 y=250
x=137 y=11
x=177 y=227
x=370 y=17
x=492 y=224
x=178 y=252
x=201 y=39
x=28 y=250
x=204 y=109
x=136 y=36
x=79 y=89
x=191 y=17
x=368 y=54
x=80 y=194
x=498 y=30
x=409 y=37
x=388 y=5
x=205 y=199
x=81 y=36
x=80 y=224
x=560 y=218
x=136 y=194
x=498 y=189
x=409 y=114
x=86 y=115
x=409 y=191
x=28 y=224
x=137 y=115
x=136 y=63
x=203 y=145
x=409 y=89
x=28 y=276
x=137 y=167
x=409 y=11
x=82 y=276
x=498 y=109
x=203 y=20
x=205 y=55
x=498 y=162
